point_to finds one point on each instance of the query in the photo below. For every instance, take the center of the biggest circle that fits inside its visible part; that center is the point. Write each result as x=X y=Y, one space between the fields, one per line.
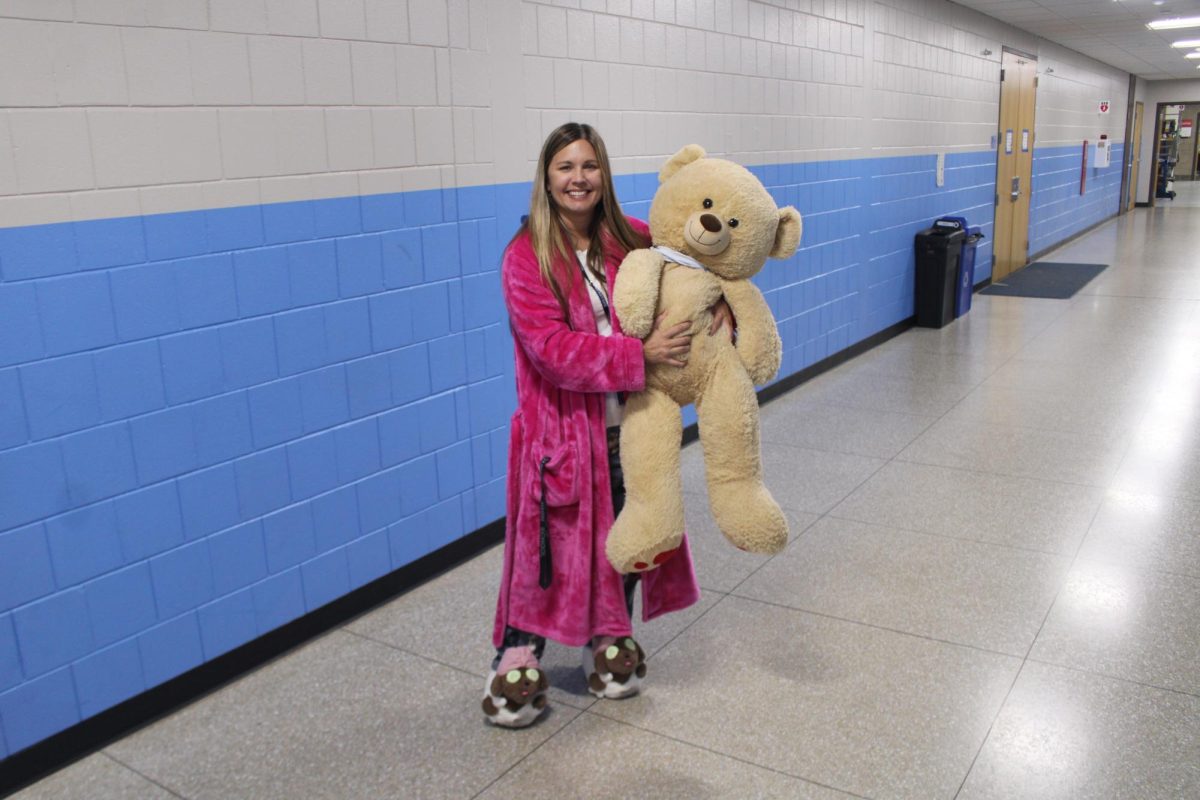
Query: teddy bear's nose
x=710 y=222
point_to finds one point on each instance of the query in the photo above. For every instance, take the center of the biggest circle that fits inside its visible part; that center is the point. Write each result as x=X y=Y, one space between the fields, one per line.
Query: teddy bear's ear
x=787 y=234
x=689 y=153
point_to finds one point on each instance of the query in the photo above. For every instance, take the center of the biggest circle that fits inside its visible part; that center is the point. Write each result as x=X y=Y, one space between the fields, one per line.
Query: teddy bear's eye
x=733 y=223
x=707 y=203
x=611 y=652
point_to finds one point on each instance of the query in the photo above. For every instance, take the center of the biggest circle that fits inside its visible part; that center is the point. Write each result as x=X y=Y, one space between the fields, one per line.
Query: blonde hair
x=548 y=234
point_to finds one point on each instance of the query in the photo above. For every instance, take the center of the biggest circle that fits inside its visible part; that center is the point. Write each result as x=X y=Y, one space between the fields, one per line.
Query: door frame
x=1134 y=109
x=1195 y=144
x=1159 y=115
x=1133 y=161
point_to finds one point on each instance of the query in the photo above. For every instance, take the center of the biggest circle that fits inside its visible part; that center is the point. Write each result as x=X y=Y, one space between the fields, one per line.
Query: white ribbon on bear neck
x=677 y=257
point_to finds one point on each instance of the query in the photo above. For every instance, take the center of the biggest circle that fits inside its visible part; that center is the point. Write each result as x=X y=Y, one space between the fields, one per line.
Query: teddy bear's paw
x=767 y=544
x=626 y=557
x=643 y=537
x=766 y=540
x=750 y=518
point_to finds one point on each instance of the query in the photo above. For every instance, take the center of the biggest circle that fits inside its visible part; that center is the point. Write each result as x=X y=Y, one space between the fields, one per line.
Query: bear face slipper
x=614 y=667
x=515 y=692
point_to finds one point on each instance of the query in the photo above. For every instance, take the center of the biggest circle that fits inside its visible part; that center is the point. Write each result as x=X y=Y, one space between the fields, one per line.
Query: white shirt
x=596 y=290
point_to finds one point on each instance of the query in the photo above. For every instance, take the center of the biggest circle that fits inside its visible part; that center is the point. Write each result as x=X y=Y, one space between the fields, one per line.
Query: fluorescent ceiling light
x=1193 y=55
x=1171 y=24
x=1186 y=43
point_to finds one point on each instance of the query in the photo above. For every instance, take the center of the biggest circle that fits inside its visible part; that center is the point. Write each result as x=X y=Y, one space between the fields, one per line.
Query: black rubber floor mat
x=1051 y=279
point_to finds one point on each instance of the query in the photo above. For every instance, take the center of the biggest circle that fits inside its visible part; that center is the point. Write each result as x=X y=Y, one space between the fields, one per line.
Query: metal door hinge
x=1035 y=81
x=1002 y=75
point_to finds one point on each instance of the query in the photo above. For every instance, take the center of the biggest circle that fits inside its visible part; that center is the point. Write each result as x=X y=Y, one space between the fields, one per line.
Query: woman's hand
x=722 y=315
x=668 y=345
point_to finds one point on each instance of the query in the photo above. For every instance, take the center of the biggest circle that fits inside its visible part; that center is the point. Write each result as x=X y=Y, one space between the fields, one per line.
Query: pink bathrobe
x=562 y=374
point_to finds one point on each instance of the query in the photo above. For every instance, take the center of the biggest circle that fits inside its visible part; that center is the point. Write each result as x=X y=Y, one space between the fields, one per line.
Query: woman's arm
x=570 y=359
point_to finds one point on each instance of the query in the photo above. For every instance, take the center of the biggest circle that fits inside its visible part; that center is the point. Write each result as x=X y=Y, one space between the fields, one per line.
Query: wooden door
x=1135 y=158
x=1014 y=162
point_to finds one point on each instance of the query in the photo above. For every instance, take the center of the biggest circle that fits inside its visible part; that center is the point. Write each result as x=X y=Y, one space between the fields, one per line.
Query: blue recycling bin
x=966 y=272
x=965 y=282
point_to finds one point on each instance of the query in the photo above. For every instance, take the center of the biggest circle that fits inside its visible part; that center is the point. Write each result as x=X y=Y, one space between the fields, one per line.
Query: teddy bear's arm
x=758 y=342
x=635 y=293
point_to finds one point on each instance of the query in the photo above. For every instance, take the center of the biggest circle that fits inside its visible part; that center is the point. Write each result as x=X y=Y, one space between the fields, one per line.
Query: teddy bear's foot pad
x=625 y=554
x=656 y=561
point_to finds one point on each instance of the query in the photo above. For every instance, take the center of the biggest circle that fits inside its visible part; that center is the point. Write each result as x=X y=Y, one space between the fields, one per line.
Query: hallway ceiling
x=1111 y=31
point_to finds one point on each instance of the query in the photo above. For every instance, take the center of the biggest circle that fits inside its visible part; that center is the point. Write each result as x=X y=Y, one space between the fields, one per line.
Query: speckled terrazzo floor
x=992 y=591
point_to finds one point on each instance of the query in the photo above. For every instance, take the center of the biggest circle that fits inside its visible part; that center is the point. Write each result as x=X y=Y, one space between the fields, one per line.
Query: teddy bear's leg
x=728 y=419
x=649 y=528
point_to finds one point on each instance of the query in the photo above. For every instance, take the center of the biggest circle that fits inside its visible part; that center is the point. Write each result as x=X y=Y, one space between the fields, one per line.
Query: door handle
x=1016 y=187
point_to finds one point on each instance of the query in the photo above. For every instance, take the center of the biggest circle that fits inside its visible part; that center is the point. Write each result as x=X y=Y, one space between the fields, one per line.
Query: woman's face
x=574 y=180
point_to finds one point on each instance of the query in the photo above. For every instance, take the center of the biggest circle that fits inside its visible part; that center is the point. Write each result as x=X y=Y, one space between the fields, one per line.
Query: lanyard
x=599 y=292
x=604 y=305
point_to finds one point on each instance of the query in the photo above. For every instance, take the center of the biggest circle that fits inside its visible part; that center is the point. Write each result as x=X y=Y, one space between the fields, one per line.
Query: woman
x=572 y=365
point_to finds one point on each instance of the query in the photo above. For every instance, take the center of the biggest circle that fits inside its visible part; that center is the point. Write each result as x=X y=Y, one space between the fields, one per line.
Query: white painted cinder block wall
x=118 y=107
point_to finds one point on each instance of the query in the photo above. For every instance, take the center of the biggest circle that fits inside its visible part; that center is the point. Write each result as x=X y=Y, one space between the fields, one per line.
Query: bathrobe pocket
x=556 y=474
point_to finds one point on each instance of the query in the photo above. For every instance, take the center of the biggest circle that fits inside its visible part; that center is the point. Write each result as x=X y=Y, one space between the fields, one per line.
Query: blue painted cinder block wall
x=1057 y=210
x=216 y=421
x=213 y=422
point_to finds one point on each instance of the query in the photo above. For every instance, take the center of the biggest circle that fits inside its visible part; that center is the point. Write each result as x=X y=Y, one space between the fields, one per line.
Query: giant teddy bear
x=713 y=226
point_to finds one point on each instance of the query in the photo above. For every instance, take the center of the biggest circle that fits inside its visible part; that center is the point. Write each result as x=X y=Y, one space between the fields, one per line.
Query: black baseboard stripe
x=841 y=357
x=84 y=738
x=692 y=432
